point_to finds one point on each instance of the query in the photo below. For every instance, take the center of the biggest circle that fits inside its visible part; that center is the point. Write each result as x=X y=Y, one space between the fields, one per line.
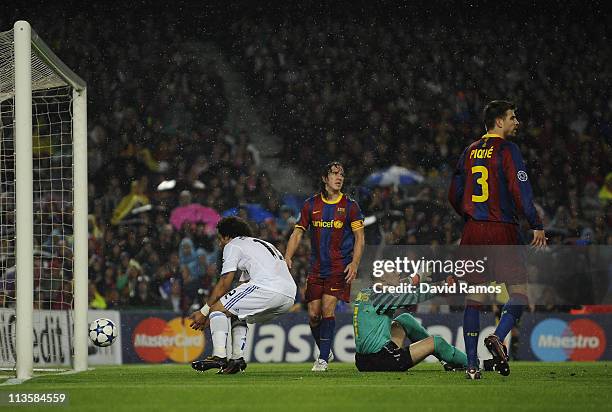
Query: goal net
x=43 y=207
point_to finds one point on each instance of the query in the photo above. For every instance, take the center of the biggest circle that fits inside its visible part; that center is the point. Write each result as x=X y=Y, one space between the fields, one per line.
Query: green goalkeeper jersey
x=373 y=314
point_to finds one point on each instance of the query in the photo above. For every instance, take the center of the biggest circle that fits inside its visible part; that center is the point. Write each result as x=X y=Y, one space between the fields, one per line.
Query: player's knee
x=329 y=312
x=404 y=318
x=314 y=318
x=398 y=334
x=431 y=341
x=396 y=327
x=314 y=315
x=218 y=307
x=329 y=308
x=214 y=314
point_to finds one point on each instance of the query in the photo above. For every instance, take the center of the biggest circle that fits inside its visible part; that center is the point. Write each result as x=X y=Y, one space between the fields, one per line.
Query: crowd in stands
x=375 y=93
x=169 y=131
x=156 y=116
x=370 y=95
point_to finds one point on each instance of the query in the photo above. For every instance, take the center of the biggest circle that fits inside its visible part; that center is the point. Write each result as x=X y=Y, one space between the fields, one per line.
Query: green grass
x=292 y=387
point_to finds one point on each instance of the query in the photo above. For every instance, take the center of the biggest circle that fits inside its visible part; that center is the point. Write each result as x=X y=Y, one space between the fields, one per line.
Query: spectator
x=96 y=300
x=605 y=194
x=143 y=296
x=372 y=95
x=135 y=198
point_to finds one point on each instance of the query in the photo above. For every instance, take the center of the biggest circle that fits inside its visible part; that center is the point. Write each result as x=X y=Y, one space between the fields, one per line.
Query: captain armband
x=357 y=224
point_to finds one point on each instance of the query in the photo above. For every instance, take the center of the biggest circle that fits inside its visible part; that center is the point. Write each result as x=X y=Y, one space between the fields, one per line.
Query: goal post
x=46 y=90
x=24 y=211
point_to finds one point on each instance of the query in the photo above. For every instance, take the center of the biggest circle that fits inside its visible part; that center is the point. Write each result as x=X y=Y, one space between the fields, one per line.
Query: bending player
x=489 y=187
x=268 y=292
x=379 y=338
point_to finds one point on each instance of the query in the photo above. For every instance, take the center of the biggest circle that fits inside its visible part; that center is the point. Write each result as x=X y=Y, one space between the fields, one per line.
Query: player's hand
x=351 y=272
x=289 y=262
x=198 y=321
x=539 y=239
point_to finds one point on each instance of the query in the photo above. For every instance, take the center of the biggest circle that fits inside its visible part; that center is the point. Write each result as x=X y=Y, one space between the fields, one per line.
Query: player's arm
x=522 y=194
x=199 y=318
x=457 y=186
x=221 y=288
x=356 y=218
x=292 y=245
x=298 y=231
x=231 y=256
x=351 y=268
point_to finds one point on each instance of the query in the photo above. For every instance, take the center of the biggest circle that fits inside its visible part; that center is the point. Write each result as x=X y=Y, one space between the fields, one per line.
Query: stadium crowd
x=380 y=93
x=149 y=123
x=370 y=95
x=410 y=93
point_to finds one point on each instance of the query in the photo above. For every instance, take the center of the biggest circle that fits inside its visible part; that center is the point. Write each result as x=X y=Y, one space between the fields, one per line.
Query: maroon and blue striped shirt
x=490 y=183
x=331 y=226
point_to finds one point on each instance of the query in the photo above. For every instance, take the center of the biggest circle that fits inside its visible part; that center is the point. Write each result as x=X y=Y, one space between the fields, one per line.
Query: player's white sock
x=219 y=330
x=239 y=333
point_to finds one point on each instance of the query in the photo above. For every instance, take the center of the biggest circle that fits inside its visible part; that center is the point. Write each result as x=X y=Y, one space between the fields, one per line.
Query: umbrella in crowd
x=394 y=176
x=194 y=213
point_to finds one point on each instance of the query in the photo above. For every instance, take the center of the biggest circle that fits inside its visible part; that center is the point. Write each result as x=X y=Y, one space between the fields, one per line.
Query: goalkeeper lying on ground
x=379 y=338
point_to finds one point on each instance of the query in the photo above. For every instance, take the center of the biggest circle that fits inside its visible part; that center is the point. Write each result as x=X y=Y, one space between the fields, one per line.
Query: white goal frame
x=26 y=43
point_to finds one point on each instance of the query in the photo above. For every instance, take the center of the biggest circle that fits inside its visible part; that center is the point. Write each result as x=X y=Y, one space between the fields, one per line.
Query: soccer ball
x=102 y=332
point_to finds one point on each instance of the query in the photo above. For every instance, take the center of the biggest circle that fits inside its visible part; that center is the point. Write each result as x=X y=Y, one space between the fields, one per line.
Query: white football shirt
x=262 y=262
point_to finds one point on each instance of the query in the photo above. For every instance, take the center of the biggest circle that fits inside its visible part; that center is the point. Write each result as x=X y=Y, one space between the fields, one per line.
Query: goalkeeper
x=379 y=338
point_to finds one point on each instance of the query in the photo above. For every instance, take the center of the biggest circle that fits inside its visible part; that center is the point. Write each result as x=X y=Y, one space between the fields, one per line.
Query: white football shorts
x=255 y=304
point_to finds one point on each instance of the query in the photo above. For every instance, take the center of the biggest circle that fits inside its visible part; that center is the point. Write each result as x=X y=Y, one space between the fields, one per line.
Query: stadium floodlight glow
x=43 y=208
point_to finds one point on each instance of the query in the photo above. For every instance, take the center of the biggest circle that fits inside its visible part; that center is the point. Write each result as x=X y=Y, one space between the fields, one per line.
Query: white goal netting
x=52 y=186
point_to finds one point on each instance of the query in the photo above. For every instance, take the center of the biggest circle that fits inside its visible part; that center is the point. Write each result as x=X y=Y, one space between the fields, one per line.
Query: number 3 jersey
x=490 y=183
x=260 y=262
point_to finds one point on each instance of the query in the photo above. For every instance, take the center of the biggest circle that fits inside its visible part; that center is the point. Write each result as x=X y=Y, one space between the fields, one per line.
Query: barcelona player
x=379 y=338
x=337 y=240
x=489 y=189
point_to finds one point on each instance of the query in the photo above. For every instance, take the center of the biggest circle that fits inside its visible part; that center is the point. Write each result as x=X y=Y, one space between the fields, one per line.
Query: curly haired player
x=337 y=240
x=268 y=291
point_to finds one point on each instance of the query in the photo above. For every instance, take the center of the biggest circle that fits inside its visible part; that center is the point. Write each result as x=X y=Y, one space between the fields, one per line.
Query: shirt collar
x=330 y=202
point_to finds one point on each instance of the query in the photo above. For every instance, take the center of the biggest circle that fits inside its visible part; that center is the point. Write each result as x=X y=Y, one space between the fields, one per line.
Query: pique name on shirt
x=481 y=153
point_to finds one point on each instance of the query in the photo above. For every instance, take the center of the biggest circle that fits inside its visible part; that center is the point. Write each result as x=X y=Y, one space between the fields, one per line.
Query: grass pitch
x=292 y=387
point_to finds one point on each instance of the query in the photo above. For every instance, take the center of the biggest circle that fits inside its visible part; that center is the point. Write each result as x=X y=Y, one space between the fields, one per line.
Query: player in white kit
x=268 y=291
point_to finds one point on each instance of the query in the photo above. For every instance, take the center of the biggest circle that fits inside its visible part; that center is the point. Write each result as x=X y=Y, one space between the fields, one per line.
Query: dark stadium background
x=372 y=85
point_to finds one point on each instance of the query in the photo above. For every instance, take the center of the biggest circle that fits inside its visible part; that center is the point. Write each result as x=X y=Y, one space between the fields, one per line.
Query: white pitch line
x=15 y=381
